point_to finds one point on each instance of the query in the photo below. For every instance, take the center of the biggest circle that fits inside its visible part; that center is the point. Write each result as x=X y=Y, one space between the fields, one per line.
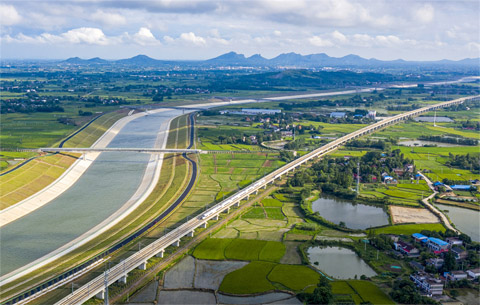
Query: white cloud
x=190 y=37
x=277 y=33
x=145 y=37
x=109 y=19
x=425 y=13
x=9 y=15
x=320 y=42
x=86 y=35
x=92 y=36
x=339 y=37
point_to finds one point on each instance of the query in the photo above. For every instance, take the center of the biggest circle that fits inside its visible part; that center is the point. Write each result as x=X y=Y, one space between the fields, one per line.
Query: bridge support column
x=100 y=295
x=142 y=266
x=190 y=234
x=247 y=197
x=214 y=218
x=160 y=254
x=123 y=279
x=176 y=243
x=227 y=210
x=204 y=225
x=236 y=204
x=84 y=156
x=264 y=187
x=255 y=192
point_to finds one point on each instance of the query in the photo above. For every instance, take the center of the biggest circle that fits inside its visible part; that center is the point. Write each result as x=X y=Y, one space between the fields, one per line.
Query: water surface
x=107 y=185
x=465 y=220
x=355 y=216
x=338 y=262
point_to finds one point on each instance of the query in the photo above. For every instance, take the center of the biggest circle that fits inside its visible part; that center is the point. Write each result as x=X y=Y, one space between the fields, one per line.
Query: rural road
x=434 y=210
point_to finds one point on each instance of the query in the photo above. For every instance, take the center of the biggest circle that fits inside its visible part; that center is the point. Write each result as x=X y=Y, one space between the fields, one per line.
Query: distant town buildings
x=372 y=114
x=338 y=115
x=427 y=283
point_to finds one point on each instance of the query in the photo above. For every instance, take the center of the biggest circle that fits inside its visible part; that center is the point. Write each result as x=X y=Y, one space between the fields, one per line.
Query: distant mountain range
x=286 y=60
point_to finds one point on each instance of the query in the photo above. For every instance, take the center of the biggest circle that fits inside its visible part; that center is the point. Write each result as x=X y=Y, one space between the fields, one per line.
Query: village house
x=428 y=284
x=455 y=275
x=406 y=248
x=459 y=253
x=419 y=237
x=437 y=245
x=474 y=273
x=454 y=241
x=435 y=262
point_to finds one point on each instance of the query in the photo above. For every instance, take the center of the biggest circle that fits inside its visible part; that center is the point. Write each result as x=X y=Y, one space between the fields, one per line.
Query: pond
x=338 y=262
x=438 y=119
x=420 y=143
x=355 y=216
x=466 y=220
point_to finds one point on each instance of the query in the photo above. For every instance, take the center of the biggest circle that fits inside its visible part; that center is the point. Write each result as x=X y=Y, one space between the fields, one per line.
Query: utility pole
x=358 y=178
x=106 y=288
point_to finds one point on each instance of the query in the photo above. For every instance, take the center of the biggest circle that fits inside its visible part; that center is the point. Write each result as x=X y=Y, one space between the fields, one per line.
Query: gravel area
x=260 y=299
x=186 y=297
x=209 y=274
x=181 y=275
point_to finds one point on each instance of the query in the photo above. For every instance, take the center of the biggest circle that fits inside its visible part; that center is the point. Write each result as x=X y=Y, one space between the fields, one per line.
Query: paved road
x=434 y=210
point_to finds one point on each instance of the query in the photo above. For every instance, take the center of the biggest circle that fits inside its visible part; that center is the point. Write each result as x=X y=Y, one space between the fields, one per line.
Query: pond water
x=355 y=216
x=420 y=143
x=466 y=220
x=338 y=262
x=431 y=119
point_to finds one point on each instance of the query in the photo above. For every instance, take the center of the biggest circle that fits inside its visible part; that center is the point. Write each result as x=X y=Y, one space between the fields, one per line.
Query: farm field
x=409 y=229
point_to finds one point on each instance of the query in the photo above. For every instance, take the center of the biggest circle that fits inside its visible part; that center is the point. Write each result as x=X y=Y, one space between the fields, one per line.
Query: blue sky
x=178 y=29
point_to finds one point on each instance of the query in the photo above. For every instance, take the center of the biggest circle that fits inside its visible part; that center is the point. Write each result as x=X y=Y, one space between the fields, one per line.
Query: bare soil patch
x=411 y=215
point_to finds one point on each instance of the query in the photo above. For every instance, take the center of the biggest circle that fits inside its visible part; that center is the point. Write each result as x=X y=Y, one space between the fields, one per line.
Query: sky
x=202 y=29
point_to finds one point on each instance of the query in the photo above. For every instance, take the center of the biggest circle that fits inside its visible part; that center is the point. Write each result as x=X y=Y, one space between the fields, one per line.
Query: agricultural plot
x=359 y=292
x=409 y=229
x=248 y=280
x=411 y=215
x=223 y=174
x=239 y=249
x=295 y=277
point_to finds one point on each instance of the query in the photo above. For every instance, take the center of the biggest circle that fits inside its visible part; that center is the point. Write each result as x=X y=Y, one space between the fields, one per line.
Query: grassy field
x=359 y=292
x=239 y=249
x=294 y=277
x=32 y=177
x=409 y=229
x=250 y=279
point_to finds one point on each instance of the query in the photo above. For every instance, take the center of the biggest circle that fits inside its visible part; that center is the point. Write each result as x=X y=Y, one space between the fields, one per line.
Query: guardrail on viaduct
x=119 y=272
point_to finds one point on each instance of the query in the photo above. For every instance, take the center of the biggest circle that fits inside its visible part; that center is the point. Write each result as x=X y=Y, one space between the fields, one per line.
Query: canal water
x=339 y=262
x=105 y=187
x=355 y=216
x=466 y=220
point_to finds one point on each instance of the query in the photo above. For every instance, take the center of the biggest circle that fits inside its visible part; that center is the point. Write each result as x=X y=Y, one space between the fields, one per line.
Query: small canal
x=355 y=216
x=466 y=220
x=338 y=262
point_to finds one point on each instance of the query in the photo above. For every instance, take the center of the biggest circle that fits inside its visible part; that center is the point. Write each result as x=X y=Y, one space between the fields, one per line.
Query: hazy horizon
x=197 y=30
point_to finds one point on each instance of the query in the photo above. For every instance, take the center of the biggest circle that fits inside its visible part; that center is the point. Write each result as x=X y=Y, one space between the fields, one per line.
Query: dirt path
x=434 y=210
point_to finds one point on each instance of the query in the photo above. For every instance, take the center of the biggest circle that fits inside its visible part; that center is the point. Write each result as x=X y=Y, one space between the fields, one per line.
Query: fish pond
x=466 y=220
x=339 y=262
x=355 y=216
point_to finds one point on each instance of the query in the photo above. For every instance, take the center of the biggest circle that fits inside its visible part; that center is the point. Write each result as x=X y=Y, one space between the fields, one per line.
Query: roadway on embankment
x=428 y=205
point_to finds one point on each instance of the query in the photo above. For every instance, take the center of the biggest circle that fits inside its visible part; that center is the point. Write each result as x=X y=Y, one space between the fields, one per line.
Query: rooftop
x=437 y=241
x=419 y=236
